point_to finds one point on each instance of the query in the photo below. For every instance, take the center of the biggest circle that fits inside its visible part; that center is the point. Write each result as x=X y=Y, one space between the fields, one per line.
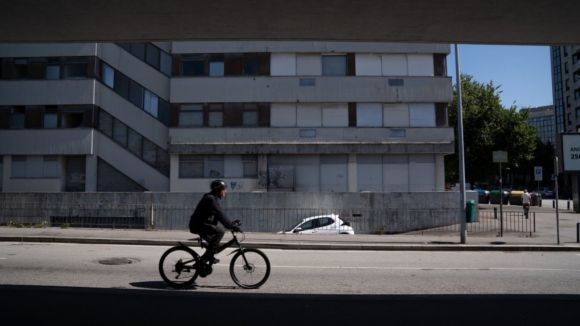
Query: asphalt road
x=67 y=284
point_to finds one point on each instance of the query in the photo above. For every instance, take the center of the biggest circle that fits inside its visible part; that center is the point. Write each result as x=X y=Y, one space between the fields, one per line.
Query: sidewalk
x=544 y=239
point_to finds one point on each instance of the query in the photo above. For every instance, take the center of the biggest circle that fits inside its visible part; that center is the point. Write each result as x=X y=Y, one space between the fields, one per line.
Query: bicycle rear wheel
x=250 y=268
x=177 y=267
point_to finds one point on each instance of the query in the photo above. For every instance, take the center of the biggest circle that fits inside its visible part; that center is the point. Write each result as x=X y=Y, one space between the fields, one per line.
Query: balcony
x=47 y=142
x=306 y=140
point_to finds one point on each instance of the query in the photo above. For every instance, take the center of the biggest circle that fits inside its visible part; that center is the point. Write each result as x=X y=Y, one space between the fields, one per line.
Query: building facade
x=566 y=87
x=264 y=116
x=543 y=118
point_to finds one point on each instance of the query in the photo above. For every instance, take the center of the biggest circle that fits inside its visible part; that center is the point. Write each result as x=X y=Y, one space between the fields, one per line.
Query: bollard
x=568 y=204
x=553 y=204
x=578 y=232
x=495 y=213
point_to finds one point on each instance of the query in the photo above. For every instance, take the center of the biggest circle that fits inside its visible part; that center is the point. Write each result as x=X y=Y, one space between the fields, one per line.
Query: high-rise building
x=266 y=116
x=543 y=118
x=566 y=87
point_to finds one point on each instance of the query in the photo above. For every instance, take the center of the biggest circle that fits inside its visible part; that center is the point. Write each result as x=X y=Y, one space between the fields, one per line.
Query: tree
x=488 y=127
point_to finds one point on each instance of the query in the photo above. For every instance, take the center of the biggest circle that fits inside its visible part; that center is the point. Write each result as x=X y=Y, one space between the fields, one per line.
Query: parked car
x=322 y=224
x=545 y=192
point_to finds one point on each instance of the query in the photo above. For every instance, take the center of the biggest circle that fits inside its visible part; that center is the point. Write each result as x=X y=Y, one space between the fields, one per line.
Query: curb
x=304 y=246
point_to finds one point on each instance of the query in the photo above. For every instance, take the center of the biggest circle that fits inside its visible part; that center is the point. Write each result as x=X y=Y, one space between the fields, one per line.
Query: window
x=191 y=166
x=191 y=115
x=250 y=163
x=578 y=112
x=152 y=57
x=216 y=65
x=138 y=50
x=575 y=58
x=334 y=65
x=136 y=94
x=216 y=115
x=165 y=64
x=566 y=67
x=20 y=68
x=192 y=65
x=53 y=68
x=251 y=64
x=567 y=84
x=422 y=115
x=108 y=75
x=72 y=117
x=569 y=118
x=250 y=118
x=121 y=85
x=134 y=142
x=17 y=117
x=106 y=123
x=440 y=64
x=75 y=67
x=50 y=117
x=568 y=101
x=577 y=94
x=151 y=103
x=120 y=132
x=576 y=76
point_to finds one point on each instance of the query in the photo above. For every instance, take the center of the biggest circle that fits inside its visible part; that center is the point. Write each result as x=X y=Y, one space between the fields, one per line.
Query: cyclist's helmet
x=218 y=185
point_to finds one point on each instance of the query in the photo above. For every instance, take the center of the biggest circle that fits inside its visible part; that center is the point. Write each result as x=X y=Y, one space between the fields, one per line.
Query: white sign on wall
x=571 y=152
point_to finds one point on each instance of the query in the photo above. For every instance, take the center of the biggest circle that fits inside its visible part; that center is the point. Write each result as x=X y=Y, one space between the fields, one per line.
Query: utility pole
x=462 y=216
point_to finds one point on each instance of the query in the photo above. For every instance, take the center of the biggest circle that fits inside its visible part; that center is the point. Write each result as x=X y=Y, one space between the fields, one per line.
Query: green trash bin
x=470 y=211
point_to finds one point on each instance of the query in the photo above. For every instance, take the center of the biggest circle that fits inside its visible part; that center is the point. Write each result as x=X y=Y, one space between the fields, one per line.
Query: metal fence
x=163 y=217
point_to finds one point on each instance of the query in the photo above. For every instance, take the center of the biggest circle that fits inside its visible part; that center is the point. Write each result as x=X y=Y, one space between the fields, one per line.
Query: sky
x=522 y=71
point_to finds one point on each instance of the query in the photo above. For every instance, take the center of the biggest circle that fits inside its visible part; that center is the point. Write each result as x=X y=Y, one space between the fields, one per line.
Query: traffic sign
x=500 y=157
x=538 y=173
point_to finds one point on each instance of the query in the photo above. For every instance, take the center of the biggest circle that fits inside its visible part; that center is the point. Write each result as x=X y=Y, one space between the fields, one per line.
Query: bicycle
x=180 y=266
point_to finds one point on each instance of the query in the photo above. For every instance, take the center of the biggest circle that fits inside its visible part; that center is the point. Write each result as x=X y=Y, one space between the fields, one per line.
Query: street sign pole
x=500 y=203
x=500 y=157
x=556 y=196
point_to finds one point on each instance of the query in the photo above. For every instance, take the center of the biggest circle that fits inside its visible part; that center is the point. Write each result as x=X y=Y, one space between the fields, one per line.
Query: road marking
x=437 y=268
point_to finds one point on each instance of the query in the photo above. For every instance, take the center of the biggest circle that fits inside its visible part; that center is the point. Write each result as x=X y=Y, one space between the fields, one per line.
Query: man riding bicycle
x=205 y=218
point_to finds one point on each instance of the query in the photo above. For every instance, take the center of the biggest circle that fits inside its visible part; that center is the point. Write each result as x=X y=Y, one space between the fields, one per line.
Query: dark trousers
x=213 y=235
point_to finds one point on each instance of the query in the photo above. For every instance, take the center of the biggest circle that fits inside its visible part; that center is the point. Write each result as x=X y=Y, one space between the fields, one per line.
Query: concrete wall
x=260 y=212
x=48 y=50
x=47 y=141
x=305 y=47
x=327 y=89
x=47 y=92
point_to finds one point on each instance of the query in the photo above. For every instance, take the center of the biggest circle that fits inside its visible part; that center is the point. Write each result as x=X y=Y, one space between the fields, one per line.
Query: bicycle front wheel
x=176 y=267
x=250 y=268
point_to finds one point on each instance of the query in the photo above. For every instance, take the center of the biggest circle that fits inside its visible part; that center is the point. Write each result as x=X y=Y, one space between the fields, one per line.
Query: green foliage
x=488 y=127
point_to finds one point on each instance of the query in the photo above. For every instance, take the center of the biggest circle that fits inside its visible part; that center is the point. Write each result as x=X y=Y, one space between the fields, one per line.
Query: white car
x=322 y=224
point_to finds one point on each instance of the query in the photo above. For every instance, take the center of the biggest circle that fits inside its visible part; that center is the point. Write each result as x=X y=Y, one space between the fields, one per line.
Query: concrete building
x=543 y=118
x=264 y=116
x=566 y=87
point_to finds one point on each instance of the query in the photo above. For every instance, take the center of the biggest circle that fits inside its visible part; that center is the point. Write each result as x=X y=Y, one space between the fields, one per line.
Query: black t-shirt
x=208 y=211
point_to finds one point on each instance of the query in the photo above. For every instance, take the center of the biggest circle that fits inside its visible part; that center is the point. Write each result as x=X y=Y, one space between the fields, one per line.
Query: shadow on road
x=159 y=285
x=51 y=305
